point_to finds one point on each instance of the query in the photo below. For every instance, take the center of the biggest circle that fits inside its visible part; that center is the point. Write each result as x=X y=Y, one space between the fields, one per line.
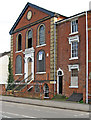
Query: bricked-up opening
x=19 y=42
x=29 y=39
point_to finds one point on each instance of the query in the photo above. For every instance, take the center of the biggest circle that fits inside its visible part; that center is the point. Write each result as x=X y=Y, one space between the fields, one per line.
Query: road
x=16 y=110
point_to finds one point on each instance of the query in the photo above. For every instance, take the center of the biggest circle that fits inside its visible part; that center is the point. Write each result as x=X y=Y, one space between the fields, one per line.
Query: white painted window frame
x=71 y=26
x=73 y=39
x=71 y=67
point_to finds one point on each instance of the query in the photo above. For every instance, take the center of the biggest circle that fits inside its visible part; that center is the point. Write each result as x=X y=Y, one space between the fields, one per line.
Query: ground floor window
x=74 y=75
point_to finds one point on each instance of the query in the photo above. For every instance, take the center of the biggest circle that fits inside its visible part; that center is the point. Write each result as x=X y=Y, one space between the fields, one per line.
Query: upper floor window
x=74 y=46
x=41 y=35
x=74 y=51
x=74 y=26
x=18 y=65
x=19 y=42
x=29 y=39
x=41 y=61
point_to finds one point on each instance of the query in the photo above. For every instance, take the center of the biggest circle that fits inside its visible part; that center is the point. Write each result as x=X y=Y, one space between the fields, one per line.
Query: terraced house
x=49 y=53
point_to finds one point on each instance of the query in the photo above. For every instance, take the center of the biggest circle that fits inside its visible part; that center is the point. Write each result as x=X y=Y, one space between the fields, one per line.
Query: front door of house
x=29 y=68
x=60 y=84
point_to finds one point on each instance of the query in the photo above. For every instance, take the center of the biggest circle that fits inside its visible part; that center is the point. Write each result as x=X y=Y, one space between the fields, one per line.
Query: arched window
x=18 y=67
x=41 y=35
x=41 y=61
x=29 y=39
x=19 y=42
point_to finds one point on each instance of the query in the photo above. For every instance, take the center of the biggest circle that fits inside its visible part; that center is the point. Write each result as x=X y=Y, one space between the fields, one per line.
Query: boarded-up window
x=41 y=61
x=18 y=67
x=74 y=77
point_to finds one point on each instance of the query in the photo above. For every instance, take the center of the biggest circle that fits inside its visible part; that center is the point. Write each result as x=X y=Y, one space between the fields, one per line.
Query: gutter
x=86 y=57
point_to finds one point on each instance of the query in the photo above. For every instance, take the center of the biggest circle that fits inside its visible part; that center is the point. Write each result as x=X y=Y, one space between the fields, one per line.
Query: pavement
x=49 y=103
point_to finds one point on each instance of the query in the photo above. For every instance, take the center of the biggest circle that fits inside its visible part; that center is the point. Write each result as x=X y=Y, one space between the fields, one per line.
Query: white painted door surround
x=29 y=53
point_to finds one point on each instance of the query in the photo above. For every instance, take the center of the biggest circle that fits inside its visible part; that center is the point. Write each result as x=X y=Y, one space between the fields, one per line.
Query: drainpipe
x=86 y=57
x=54 y=55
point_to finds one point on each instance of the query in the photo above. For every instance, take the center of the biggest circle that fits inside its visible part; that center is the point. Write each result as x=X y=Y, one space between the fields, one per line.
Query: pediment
x=30 y=14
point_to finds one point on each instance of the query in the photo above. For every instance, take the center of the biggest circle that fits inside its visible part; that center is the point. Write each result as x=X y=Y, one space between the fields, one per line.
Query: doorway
x=46 y=91
x=59 y=81
x=60 y=85
x=29 y=67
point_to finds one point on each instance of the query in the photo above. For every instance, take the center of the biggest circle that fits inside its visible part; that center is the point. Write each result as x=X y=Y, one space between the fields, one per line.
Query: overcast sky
x=11 y=9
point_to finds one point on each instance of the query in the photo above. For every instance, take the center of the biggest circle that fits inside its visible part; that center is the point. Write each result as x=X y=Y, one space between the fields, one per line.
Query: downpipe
x=86 y=57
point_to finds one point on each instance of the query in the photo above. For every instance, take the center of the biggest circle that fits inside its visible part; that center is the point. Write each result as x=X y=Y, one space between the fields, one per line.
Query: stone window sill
x=18 y=51
x=75 y=58
x=40 y=72
x=73 y=86
x=40 y=45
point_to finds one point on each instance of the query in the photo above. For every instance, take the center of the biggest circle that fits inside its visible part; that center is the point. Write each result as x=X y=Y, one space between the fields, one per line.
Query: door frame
x=58 y=79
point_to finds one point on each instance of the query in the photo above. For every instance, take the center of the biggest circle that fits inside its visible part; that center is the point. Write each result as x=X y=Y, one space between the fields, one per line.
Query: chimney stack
x=90 y=5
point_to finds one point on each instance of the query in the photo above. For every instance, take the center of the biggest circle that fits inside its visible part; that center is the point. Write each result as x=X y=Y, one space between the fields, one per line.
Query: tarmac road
x=19 y=110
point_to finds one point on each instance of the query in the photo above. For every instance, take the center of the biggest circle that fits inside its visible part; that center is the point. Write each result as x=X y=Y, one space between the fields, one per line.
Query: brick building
x=32 y=48
x=73 y=63
x=49 y=53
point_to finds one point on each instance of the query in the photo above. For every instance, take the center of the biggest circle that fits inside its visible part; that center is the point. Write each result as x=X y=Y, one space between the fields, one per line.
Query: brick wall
x=64 y=53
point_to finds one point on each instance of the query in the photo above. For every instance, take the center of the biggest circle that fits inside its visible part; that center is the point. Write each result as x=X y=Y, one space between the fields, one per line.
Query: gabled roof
x=50 y=13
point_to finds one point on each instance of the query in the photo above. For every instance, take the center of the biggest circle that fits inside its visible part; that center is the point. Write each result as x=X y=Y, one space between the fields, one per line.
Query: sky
x=11 y=9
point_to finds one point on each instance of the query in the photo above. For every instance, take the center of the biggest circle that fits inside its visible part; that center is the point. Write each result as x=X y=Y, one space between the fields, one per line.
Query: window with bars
x=74 y=26
x=41 y=61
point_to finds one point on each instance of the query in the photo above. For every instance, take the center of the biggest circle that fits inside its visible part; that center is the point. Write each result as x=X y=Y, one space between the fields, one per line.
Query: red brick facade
x=64 y=55
x=38 y=18
x=63 y=62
